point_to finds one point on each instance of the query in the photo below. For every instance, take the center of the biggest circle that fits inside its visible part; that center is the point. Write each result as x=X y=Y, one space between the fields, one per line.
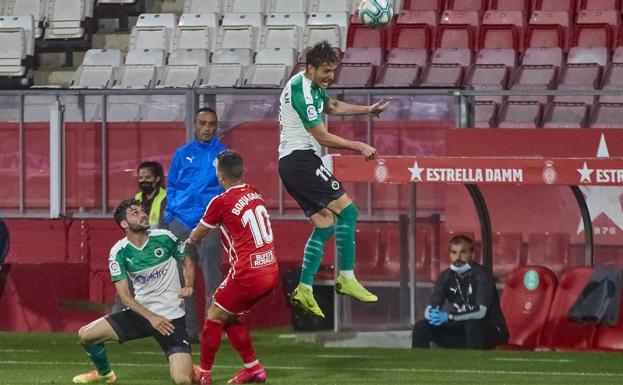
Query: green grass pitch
x=54 y=358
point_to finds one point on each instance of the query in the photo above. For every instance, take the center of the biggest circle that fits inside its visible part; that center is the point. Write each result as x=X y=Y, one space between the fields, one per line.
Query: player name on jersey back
x=243 y=201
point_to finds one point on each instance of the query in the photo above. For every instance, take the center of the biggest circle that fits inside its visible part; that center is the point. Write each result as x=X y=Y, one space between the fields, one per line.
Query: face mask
x=460 y=269
x=146 y=187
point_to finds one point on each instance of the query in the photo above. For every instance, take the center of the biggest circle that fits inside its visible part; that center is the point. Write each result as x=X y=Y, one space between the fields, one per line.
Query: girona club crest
x=381 y=172
x=549 y=173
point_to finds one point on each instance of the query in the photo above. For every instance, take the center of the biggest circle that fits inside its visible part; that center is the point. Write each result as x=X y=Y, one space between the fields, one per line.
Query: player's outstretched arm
x=189 y=277
x=161 y=324
x=327 y=139
x=336 y=107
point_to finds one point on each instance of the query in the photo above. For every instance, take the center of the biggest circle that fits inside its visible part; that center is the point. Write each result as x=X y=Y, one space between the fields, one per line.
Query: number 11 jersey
x=246 y=234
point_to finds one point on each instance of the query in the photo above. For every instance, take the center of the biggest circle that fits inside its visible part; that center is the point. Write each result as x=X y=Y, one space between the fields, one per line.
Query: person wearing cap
x=474 y=319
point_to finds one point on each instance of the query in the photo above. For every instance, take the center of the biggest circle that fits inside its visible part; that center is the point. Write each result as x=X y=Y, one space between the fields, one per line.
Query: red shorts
x=236 y=296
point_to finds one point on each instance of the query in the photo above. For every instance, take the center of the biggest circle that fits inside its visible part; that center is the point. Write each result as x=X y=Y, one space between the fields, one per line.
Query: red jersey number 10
x=260 y=225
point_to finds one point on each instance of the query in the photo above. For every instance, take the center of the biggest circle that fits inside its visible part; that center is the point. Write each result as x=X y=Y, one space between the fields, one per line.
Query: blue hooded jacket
x=192 y=181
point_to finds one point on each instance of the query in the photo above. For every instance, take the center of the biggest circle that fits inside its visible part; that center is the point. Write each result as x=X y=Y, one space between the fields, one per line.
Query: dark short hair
x=457 y=239
x=321 y=53
x=206 y=109
x=230 y=164
x=121 y=211
x=156 y=169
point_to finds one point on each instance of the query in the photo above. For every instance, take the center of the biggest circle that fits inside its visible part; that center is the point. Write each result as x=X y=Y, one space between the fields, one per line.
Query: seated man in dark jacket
x=476 y=320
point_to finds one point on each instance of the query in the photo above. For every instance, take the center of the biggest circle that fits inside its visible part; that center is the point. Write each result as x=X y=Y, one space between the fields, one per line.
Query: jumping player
x=246 y=234
x=319 y=194
x=149 y=259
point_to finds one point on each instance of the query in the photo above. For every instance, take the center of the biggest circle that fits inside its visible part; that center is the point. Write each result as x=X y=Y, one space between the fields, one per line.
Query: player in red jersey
x=248 y=238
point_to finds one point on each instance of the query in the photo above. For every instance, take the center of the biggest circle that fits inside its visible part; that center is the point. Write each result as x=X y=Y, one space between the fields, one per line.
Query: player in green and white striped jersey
x=149 y=259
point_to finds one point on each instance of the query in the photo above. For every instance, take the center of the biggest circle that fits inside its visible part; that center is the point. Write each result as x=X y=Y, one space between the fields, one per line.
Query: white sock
x=350 y=274
x=251 y=364
x=310 y=287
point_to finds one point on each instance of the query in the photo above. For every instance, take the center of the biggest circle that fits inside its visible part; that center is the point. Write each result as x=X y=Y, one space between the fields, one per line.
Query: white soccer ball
x=376 y=13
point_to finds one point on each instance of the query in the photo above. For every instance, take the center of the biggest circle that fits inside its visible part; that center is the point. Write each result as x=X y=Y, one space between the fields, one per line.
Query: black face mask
x=147 y=187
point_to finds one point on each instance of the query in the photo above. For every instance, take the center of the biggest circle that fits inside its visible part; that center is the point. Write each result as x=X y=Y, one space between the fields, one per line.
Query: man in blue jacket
x=191 y=186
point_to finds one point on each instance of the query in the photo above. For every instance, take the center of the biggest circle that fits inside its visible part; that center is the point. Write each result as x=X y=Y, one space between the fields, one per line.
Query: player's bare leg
x=92 y=337
x=181 y=368
x=346 y=218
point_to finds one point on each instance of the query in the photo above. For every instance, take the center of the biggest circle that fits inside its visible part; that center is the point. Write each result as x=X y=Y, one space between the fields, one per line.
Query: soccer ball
x=376 y=13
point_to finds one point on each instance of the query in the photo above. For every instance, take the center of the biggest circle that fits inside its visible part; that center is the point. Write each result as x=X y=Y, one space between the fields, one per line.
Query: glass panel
x=249 y=125
x=140 y=129
x=37 y=152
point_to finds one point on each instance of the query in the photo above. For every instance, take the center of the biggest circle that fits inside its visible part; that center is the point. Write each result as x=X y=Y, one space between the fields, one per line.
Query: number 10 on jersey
x=260 y=225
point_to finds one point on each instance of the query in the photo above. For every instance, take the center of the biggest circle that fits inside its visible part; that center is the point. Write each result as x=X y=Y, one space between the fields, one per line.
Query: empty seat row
x=269 y=6
x=61 y=19
x=185 y=68
x=238 y=30
x=532 y=114
x=493 y=29
x=511 y=5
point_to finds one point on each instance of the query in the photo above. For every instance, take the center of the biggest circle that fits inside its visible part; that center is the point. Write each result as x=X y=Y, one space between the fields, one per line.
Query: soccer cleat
x=303 y=298
x=205 y=378
x=92 y=377
x=196 y=374
x=246 y=376
x=352 y=287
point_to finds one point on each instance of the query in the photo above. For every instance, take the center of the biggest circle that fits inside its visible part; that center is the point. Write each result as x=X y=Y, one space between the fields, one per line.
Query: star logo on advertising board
x=601 y=199
x=585 y=174
x=416 y=172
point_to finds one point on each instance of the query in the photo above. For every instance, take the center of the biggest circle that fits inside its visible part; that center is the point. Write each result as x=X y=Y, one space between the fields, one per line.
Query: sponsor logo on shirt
x=114 y=268
x=156 y=274
x=159 y=252
x=262 y=259
x=311 y=113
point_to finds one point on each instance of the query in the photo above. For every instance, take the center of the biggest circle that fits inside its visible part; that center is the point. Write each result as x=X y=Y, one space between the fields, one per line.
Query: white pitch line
x=532 y=359
x=382 y=370
x=346 y=356
x=19 y=350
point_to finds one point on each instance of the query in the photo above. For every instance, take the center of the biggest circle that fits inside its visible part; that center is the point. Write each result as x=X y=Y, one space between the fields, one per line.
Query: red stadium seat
x=600 y=4
x=459 y=56
x=488 y=77
x=506 y=253
x=351 y=75
x=442 y=75
x=597 y=29
x=582 y=73
x=559 y=333
x=608 y=338
x=549 y=29
x=520 y=114
x=458 y=29
x=424 y=5
x=510 y=5
x=502 y=29
x=506 y=57
x=407 y=56
x=556 y=5
x=372 y=263
x=607 y=115
x=549 y=249
x=397 y=75
x=415 y=29
x=466 y=5
x=361 y=36
x=526 y=302
x=566 y=115
x=613 y=81
x=538 y=71
x=355 y=55
x=485 y=114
